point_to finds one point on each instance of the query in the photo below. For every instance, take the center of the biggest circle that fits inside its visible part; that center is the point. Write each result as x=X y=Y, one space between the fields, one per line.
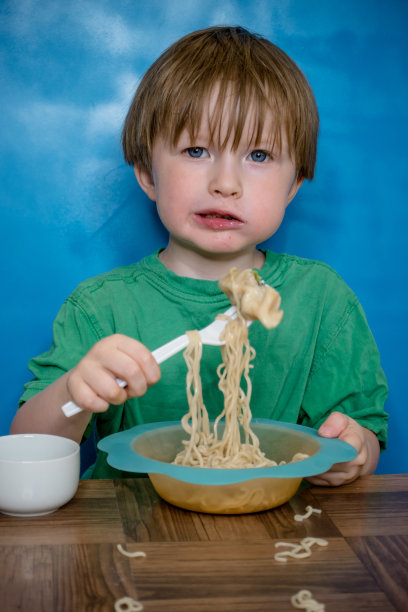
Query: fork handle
x=160 y=354
x=170 y=348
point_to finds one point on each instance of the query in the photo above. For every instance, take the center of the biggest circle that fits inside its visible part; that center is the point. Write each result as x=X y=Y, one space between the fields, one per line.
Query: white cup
x=38 y=473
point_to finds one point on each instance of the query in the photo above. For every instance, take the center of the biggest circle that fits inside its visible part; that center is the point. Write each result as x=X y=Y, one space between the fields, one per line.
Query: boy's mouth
x=219 y=220
x=215 y=214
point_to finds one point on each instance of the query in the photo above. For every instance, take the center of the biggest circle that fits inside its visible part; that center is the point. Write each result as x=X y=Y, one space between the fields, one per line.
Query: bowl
x=151 y=448
x=38 y=473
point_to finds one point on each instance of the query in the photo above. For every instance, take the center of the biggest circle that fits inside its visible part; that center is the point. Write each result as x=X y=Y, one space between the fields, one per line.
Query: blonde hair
x=247 y=72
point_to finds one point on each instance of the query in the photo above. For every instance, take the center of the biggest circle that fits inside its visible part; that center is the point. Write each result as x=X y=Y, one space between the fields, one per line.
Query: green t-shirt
x=322 y=357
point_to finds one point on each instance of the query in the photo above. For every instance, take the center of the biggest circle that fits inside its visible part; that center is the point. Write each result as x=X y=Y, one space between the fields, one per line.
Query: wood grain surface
x=69 y=561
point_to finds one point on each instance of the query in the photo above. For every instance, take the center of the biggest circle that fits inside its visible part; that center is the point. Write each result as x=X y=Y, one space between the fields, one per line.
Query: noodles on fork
x=227 y=449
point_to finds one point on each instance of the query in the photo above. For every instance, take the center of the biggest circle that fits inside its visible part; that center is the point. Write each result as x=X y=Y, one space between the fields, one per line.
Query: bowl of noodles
x=296 y=451
x=234 y=464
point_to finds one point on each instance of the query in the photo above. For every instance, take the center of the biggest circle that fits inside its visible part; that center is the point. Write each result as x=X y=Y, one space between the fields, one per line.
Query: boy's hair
x=246 y=72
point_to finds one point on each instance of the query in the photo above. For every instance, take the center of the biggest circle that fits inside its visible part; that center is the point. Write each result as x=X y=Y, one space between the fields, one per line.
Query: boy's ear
x=295 y=188
x=145 y=180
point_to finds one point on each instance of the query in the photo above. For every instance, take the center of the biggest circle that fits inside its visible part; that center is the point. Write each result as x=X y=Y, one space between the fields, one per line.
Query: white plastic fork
x=209 y=335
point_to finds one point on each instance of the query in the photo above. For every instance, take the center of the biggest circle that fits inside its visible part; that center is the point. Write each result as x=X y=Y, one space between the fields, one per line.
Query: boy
x=221 y=133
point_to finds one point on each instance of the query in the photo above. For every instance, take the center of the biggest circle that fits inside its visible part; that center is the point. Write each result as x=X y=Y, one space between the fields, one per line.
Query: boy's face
x=220 y=202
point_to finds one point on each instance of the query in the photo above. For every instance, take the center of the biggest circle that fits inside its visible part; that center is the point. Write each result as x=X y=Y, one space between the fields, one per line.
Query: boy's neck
x=208 y=266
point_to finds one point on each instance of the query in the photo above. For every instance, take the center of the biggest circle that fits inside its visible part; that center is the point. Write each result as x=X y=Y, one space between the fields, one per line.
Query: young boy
x=221 y=133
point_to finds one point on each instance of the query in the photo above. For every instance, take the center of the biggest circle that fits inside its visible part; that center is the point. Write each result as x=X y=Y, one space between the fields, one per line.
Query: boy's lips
x=218 y=219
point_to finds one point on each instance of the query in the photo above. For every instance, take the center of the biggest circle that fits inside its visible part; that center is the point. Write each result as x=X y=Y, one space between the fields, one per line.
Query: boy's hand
x=92 y=385
x=341 y=426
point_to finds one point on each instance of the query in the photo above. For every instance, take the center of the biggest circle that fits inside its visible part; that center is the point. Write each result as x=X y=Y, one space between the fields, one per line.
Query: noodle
x=196 y=421
x=309 y=512
x=127 y=553
x=206 y=448
x=298 y=551
x=237 y=446
x=303 y=600
x=128 y=604
x=252 y=297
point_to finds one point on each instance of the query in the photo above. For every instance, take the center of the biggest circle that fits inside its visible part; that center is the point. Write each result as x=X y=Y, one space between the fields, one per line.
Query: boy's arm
x=42 y=414
x=91 y=384
x=339 y=425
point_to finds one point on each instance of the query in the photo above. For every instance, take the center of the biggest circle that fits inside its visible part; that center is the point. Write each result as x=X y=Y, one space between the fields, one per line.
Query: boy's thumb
x=333 y=425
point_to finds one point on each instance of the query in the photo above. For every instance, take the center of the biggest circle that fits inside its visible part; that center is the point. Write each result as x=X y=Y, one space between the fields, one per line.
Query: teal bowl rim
x=122 y=456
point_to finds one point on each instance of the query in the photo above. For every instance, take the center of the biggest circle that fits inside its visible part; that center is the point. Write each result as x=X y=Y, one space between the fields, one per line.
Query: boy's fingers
x=343 y=427
x=339 y=425
x=334 y=478
x=140 y=374
x=141 y=361
x=85 y=396
x=119 y=356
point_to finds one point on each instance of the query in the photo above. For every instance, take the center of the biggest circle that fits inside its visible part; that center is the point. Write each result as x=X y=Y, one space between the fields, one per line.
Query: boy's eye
x=197 y=152
x=259 y=156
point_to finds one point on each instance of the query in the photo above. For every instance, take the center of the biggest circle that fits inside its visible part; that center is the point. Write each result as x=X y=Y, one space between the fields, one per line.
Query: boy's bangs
x=230 y=112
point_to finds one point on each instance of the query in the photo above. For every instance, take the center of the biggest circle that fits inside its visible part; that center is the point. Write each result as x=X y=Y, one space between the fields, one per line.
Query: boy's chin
x=248 y=256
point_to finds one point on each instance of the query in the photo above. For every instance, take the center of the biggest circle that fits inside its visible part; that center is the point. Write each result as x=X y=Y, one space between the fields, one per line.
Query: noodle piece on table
x=309 y=511
x=127 y=553
x=303 y=600
x=298 y=551
x=128 y=604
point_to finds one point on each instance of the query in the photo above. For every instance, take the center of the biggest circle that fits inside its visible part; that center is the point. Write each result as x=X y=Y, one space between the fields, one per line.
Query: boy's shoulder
x=125 y=275
x=289 y=267
x=309 y=282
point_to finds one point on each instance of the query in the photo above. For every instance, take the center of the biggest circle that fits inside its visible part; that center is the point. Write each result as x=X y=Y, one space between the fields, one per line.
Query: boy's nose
x=225 y=180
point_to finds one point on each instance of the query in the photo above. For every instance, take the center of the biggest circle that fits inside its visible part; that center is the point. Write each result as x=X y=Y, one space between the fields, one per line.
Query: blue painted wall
x=70 y=207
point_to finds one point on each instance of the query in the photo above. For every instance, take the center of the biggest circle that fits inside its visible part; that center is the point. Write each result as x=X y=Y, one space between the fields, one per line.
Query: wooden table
x=69 y=561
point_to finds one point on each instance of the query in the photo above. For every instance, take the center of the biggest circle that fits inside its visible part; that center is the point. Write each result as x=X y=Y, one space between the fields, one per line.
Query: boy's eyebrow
x=186 y=135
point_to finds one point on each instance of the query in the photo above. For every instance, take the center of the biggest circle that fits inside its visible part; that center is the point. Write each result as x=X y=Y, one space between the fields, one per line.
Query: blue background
x=71 y=208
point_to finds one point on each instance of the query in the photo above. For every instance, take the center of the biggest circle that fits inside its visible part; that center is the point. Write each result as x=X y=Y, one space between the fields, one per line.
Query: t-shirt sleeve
x=74 y=333
x=347 y=376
